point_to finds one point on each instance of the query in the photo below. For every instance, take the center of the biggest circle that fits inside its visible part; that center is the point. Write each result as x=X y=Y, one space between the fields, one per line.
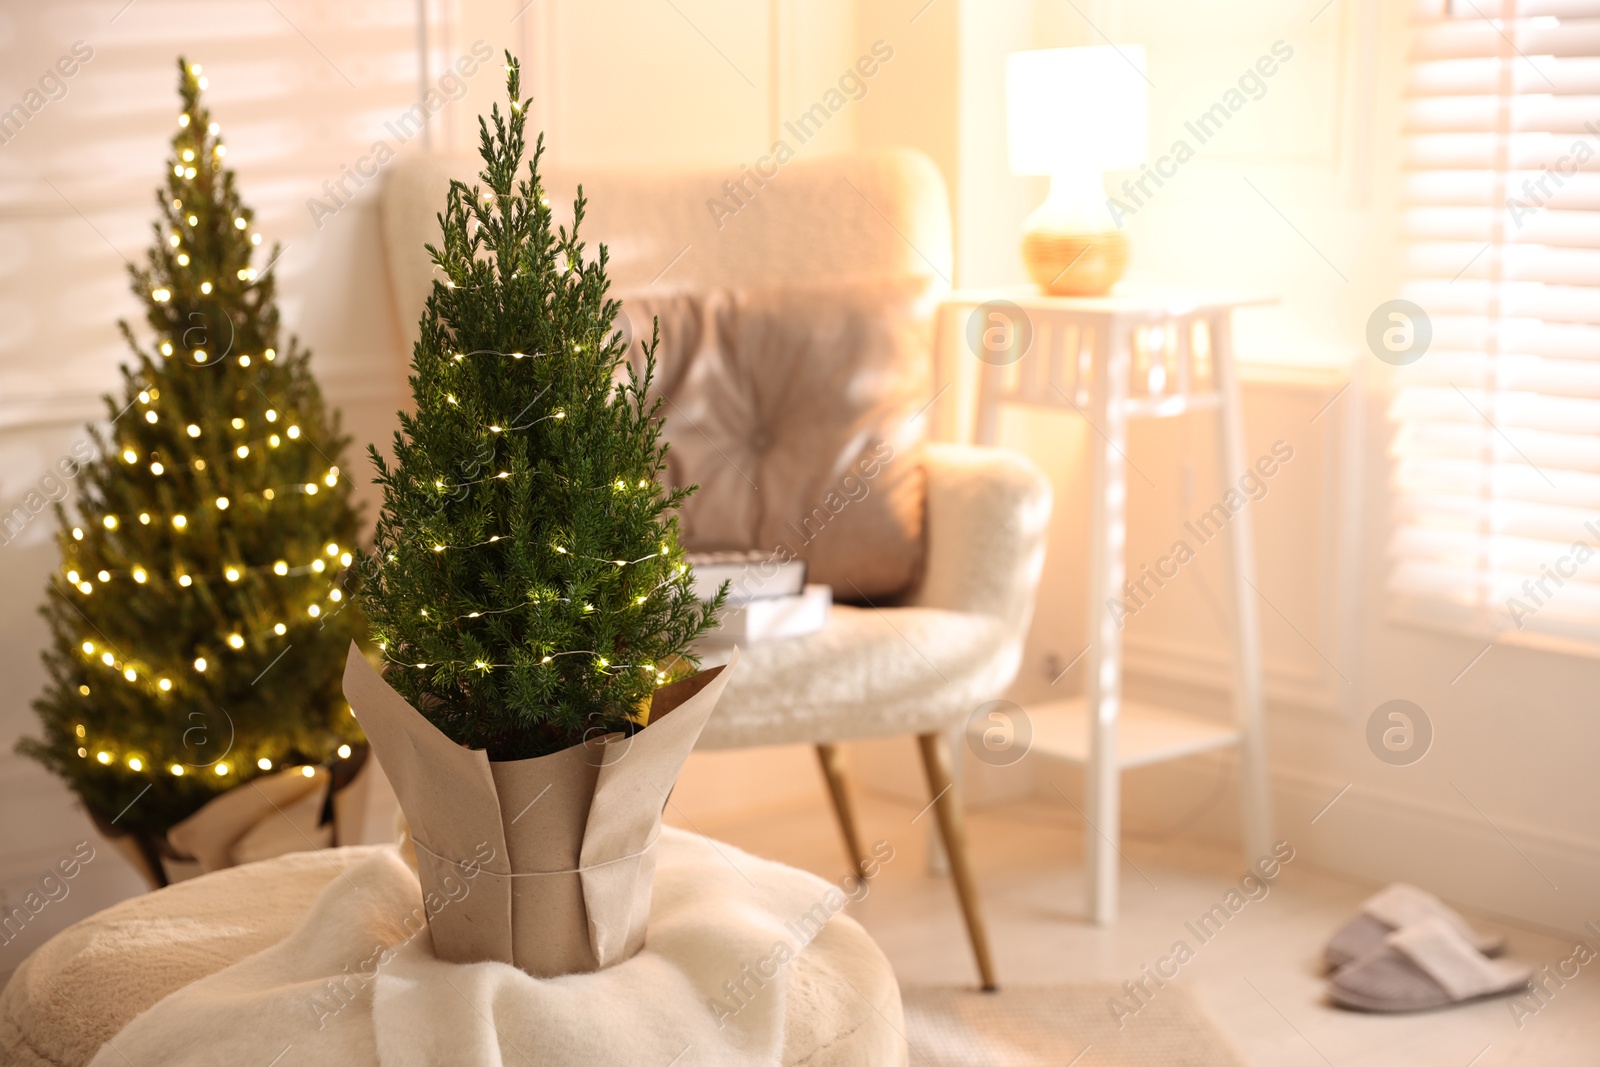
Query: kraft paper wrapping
x=210 y=834
x=279 y=813
x=542 y=863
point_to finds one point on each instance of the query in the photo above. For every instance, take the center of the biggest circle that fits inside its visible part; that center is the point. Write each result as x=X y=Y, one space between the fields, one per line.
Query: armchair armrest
x=988 y=515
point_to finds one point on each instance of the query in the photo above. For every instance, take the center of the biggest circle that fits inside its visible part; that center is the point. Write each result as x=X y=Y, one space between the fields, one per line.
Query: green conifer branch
x=528 y=587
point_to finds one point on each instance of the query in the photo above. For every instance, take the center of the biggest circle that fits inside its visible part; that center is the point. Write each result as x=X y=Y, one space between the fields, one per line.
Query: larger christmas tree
x=199 y=617
x=530 y=590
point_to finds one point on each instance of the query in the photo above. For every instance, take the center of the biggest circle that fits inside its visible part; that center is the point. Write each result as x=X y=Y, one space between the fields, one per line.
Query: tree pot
x=543 y=863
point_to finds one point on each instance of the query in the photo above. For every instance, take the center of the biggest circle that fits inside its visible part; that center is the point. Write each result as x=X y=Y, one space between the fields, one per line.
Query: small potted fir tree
x=199 y=617
x=527 y=591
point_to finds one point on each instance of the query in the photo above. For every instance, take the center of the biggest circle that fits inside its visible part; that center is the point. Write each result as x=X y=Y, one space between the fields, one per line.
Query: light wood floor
x=1259 y=976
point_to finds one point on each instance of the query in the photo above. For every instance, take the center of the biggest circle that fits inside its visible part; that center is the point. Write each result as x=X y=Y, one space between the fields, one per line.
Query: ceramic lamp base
x=1075 y=264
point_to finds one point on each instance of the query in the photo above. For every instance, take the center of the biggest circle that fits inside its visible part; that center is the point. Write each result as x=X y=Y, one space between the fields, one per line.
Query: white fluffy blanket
x=356 y=983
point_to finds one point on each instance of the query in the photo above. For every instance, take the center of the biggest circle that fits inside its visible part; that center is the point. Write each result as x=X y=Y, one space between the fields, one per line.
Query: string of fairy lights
x=535 y=598
x=271 y=436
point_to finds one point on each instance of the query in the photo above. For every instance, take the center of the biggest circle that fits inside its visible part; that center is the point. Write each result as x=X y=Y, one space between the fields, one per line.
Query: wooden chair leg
x=952 y=827
x=833 y=771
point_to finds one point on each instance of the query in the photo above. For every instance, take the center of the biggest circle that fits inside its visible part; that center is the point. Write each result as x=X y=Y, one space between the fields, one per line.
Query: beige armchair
x=921 y=664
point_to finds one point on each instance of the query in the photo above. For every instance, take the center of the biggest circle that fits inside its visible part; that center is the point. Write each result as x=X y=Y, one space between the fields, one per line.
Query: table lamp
x=1073 y=113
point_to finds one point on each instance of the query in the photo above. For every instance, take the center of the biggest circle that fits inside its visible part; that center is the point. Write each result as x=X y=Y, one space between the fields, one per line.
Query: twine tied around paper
x=463 y=865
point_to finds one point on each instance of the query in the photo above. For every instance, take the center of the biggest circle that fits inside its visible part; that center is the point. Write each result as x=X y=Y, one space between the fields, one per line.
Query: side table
x=1110 y=359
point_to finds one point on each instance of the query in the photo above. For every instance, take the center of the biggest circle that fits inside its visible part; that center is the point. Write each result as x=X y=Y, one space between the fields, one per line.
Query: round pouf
x=746 y=962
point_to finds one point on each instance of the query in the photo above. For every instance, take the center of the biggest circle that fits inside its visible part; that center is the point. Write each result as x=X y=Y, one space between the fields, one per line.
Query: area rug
x=1058 y=1026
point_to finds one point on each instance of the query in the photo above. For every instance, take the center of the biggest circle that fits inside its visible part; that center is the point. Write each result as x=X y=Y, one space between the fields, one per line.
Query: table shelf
x=1146 y=733
x=1110 y=360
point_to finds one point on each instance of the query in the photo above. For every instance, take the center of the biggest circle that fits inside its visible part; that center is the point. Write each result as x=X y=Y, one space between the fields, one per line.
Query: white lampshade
x=1071 y=109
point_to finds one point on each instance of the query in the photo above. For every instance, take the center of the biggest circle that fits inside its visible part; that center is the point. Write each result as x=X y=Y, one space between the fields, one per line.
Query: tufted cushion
x=796 y=411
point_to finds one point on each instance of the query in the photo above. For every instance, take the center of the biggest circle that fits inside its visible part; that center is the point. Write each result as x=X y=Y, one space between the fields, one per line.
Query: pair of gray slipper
x=1407 y=950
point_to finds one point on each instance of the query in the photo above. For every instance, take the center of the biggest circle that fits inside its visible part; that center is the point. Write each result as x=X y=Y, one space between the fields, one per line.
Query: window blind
x=1497 y=427
x=300 y=90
